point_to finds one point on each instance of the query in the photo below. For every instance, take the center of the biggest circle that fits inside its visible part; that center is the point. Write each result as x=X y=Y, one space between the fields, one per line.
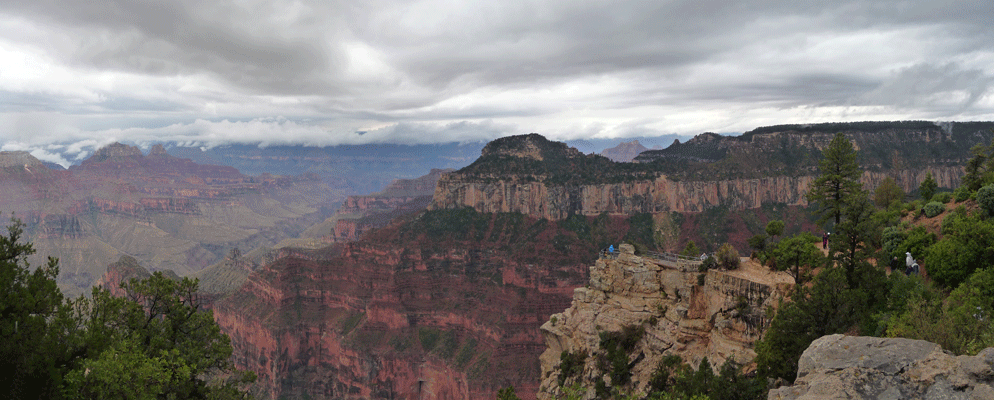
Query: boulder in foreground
x=854 y=367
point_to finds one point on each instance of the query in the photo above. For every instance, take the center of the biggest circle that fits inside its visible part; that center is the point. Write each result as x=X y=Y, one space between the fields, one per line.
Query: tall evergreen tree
x=854 y=236
x=839 y=179
x=928 y=187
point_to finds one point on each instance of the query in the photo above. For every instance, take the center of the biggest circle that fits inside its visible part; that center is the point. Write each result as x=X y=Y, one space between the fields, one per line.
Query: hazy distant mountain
x=359 y=169
x=596 y=146
x=166 y=212
x=624 y=152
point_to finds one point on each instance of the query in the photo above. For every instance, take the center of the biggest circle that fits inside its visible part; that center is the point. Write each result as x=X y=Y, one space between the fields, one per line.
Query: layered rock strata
x=359 y=214
x=851 y=367
x=661 y=194
x=718 y=315
x=400 y=315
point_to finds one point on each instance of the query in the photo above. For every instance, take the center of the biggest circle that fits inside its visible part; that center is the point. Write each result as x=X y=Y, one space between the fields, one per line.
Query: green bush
x=934 y=208
x=429 y=338
x=617 y=346
x=943 y=197
x=728 y=257
x=961 y=194
x=892 y=238
x=915 y=242
x=570 y=365
x=985 y=198
x=708 y=263
x=758 y=242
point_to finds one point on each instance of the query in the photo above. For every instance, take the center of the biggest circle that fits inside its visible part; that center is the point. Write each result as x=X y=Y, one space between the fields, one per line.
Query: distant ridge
x=795 y=149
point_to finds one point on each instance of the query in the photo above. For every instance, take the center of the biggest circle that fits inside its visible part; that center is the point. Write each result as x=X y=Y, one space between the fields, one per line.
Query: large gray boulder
x=856 y=367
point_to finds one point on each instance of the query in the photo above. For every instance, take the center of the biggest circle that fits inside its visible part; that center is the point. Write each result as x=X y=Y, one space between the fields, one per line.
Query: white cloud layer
x=318 y=72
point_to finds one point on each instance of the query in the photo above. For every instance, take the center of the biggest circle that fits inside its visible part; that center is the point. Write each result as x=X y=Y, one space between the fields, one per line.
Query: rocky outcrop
x=718 y=315
x=123 y=270
x=115 y=151
x=851 y=367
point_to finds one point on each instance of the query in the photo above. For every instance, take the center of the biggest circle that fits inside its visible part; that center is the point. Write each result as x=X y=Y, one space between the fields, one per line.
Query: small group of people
x=910 y=264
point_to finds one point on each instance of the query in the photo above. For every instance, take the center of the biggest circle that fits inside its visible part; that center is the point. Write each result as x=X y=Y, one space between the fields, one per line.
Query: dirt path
x=751 y=270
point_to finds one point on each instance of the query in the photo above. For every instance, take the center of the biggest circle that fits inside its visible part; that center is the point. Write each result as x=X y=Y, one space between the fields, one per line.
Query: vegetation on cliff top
x=791 y=150
x=533 y=158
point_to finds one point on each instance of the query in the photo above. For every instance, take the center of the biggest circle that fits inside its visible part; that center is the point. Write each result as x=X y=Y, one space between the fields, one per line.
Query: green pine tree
x=839 y=179
x=928 y=187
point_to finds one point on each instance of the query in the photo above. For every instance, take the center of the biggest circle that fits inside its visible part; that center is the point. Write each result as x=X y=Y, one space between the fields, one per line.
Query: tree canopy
x=797 y=252
x=157 y=342
x=887 y=192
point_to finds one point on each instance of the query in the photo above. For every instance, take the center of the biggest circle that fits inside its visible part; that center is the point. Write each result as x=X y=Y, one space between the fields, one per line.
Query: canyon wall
x=651 y=196
x=359 y=214
x=404 y=313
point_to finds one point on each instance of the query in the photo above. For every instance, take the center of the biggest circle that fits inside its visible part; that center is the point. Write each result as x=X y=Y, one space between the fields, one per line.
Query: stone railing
x=670 y=260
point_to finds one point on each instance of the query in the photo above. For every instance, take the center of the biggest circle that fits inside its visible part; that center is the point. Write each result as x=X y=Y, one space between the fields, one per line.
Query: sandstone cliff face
x=848 y=367
x=720 y=319
x=650 y=196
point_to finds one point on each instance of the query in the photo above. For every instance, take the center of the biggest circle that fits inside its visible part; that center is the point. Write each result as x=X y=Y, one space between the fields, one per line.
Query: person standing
x=824 y=240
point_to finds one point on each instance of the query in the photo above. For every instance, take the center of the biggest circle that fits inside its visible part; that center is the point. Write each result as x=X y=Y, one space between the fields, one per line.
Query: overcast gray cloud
x=74 y=75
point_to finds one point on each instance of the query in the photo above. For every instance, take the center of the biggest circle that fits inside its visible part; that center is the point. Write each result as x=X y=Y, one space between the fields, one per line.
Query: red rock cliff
x=420 y=309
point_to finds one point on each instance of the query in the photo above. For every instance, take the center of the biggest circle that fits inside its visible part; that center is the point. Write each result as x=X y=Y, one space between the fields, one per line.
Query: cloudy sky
x=78 y=74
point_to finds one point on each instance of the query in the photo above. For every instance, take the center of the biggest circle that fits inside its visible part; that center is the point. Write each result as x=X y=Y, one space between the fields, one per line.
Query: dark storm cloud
x=185 y=37
x=946 y=87
x=448 y=69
